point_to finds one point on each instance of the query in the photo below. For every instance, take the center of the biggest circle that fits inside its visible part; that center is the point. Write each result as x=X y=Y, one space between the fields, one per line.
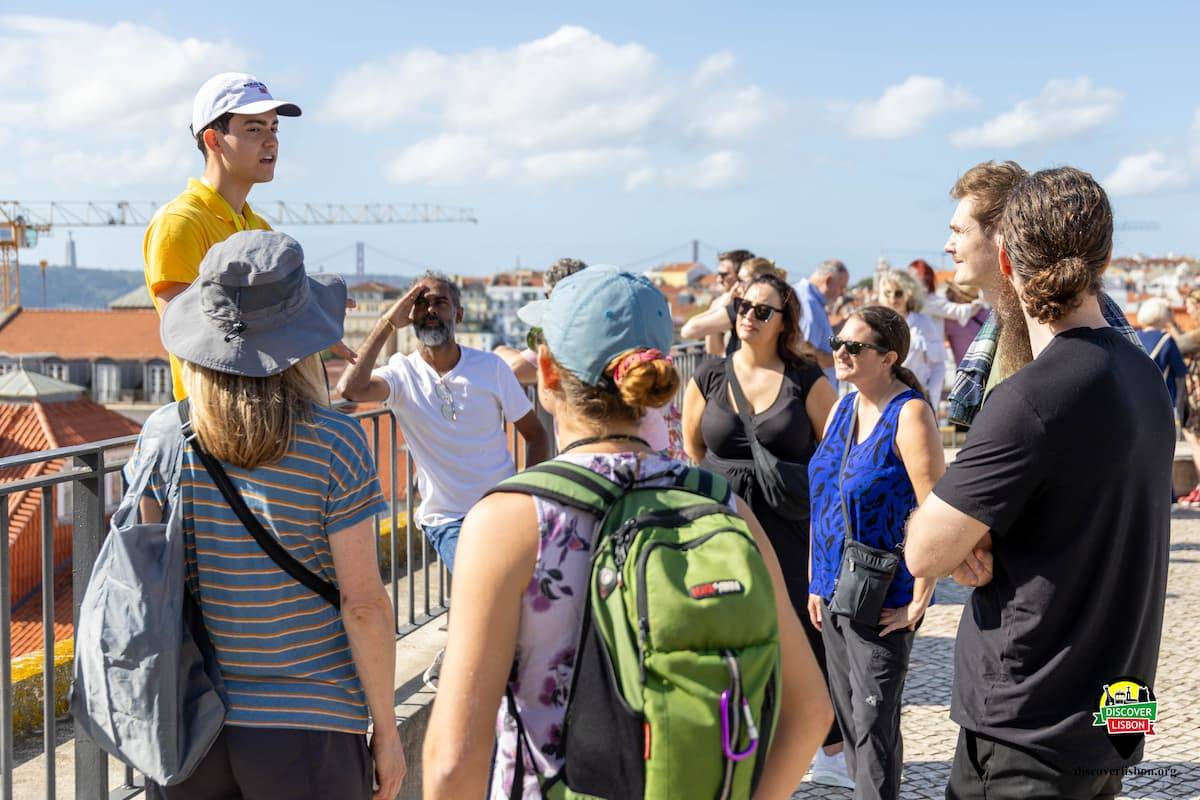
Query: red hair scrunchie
x=639 y=357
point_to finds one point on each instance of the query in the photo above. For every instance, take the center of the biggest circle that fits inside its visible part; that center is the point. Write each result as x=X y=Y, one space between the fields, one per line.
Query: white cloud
x=715 y=171
x=903 y=110
x=61 y=74
x=715 y=66
x=568 y=104
x=1145 y=173
x=102 y=105
x=447 y=160
x=1064 y=109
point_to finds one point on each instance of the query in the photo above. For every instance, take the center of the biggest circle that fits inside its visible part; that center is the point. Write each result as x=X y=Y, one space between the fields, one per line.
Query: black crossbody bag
x=866 y=572
x=784 y=484
x=269 y=544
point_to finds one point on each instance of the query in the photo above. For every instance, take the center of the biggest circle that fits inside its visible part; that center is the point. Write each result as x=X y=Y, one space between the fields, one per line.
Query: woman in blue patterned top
x=893 y=462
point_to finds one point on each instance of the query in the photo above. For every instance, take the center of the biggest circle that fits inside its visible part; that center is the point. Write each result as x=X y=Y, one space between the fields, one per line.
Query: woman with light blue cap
x=522 y=578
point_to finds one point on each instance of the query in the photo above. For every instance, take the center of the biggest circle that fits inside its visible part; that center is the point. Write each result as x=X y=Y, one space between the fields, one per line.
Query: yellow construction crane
x=22 y=223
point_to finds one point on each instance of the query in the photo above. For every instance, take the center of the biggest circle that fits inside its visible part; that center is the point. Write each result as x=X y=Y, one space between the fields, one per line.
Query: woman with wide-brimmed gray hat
x=303 y=677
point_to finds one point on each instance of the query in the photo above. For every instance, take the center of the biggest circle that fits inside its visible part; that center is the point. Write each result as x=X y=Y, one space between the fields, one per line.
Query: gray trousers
x=866 y=684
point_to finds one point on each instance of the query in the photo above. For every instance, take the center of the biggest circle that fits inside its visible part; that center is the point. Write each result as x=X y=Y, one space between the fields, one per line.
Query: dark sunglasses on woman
x=761 y=312
x=853 y=348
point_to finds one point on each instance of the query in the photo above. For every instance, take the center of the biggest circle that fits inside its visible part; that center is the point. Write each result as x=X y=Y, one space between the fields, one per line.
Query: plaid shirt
x=966 y=396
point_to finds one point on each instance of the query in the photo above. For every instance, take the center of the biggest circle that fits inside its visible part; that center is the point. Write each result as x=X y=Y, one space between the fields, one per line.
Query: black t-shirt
x=733 y=342
x=1069 y=464
x=784 y=428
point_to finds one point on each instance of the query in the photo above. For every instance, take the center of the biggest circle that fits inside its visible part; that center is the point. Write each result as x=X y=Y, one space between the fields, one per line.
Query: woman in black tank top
x=772 y=354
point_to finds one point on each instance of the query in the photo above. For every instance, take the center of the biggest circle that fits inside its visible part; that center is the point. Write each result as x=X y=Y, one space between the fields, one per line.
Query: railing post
x=49 y=699
x=6 y=698
x=91 y=763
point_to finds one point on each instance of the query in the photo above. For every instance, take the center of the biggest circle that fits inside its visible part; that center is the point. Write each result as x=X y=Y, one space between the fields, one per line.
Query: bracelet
x=393 y=326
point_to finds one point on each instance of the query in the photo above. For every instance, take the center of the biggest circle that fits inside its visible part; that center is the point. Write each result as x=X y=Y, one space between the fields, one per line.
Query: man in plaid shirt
x=997 y=351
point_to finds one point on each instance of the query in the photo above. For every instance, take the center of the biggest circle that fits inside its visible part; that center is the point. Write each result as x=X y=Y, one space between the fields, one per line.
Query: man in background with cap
x=235 y=122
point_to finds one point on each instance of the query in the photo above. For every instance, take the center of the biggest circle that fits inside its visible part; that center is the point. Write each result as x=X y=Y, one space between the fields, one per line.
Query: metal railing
x=411 y=586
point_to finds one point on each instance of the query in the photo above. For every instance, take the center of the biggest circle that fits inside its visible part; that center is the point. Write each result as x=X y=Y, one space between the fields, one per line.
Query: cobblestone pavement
x=1172 y=766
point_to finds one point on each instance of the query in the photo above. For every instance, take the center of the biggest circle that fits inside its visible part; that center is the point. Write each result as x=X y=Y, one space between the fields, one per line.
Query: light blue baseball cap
x=598 y=313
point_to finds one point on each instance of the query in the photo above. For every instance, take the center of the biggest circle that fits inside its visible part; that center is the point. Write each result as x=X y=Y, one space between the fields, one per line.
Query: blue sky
x=615 y=131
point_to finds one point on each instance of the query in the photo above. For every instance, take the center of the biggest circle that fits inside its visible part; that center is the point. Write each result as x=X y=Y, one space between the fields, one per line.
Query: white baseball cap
x=235 y=93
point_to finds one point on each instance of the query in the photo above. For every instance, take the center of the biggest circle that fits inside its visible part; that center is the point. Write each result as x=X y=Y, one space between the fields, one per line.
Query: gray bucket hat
x=254 y=311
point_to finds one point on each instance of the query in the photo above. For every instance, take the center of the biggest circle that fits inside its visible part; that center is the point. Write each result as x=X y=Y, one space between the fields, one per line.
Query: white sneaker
x=830 y=770
x=434 y=670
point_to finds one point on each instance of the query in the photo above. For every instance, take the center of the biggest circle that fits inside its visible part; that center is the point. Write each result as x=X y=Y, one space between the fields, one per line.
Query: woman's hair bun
x=645 y=378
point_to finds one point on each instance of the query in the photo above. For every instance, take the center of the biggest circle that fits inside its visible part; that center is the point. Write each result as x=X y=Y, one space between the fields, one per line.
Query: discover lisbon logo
x=1127 y=706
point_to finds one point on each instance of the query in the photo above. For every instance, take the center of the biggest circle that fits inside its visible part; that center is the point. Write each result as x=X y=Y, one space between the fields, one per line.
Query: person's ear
x=1006 y=267
x=547 y=369
x=211 y=140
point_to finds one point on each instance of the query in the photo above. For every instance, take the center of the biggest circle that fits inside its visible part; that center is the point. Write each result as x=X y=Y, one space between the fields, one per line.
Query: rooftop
x=121 y=334
x=20 y=385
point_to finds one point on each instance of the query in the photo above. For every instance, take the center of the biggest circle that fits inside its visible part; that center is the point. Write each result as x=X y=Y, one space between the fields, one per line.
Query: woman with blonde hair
x=900 y=292
x=499 y=726
x=308 y=660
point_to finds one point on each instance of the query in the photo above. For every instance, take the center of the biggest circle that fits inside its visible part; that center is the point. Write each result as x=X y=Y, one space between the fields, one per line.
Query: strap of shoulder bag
x=742 y=406
x=269 y=544
x=851 y=433
x=1159 y=346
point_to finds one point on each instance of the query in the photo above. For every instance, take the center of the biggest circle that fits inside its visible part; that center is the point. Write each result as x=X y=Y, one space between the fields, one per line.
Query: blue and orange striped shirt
x=283 y=650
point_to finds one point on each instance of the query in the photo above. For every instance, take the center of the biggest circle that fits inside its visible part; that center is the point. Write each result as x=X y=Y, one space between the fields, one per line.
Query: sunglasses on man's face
x=761 y=312
x=853 y=348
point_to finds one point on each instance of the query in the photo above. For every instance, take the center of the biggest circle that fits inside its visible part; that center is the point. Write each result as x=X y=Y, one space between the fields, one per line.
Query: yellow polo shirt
x=179 y=235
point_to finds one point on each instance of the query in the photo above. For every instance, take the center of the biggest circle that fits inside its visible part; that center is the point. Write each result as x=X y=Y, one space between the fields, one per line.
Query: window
x=158 y=383
x=106 y=383
x=6 y=367
x=62 y=501
x=57 y=370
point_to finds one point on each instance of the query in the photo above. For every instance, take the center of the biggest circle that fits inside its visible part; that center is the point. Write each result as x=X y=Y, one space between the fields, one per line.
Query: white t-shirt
x=457 y=460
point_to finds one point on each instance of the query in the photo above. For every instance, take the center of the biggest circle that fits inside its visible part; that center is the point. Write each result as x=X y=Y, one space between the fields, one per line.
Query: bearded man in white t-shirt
x=451 y=403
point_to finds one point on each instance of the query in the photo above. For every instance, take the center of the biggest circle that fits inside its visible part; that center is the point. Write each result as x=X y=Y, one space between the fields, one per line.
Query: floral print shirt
x=551 y=613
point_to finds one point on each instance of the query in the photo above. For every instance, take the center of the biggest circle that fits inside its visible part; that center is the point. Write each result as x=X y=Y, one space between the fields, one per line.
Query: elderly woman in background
x=1154 y=329
x=1189 y=347
x=927 y=348
x=960 y=335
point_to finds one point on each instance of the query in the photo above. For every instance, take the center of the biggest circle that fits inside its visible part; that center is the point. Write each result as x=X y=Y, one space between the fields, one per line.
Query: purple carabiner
x=751 y=729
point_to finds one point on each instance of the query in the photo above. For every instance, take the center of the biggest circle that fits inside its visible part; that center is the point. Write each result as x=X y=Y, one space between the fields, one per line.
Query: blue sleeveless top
x=879 y=496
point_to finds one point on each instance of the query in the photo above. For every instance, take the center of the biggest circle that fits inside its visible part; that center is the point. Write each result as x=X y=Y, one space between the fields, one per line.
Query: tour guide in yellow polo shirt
x=236 y=123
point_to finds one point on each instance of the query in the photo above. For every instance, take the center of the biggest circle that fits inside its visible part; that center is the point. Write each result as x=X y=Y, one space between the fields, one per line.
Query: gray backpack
x=147 y=688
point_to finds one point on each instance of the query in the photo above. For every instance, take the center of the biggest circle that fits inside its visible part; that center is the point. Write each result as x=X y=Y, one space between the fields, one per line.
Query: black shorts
x=274 y=763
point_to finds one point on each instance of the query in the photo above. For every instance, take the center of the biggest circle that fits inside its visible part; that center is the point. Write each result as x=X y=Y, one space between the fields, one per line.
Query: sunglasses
x=534 y=338
x=853 y=348
x=896 y=294
x=449 y=413
x=761 y=312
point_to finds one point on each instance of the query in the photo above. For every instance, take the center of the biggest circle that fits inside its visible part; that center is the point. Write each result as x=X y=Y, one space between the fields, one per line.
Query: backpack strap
x=710 y=484
x=565 y=483
x=269 y=544
x=581 y=488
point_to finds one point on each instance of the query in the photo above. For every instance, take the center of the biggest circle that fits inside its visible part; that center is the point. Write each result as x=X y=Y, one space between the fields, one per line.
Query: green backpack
x=677 y=672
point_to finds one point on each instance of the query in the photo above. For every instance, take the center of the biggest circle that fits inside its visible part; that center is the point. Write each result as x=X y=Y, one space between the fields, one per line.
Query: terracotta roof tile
x=27 y=617
x=121 y=334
